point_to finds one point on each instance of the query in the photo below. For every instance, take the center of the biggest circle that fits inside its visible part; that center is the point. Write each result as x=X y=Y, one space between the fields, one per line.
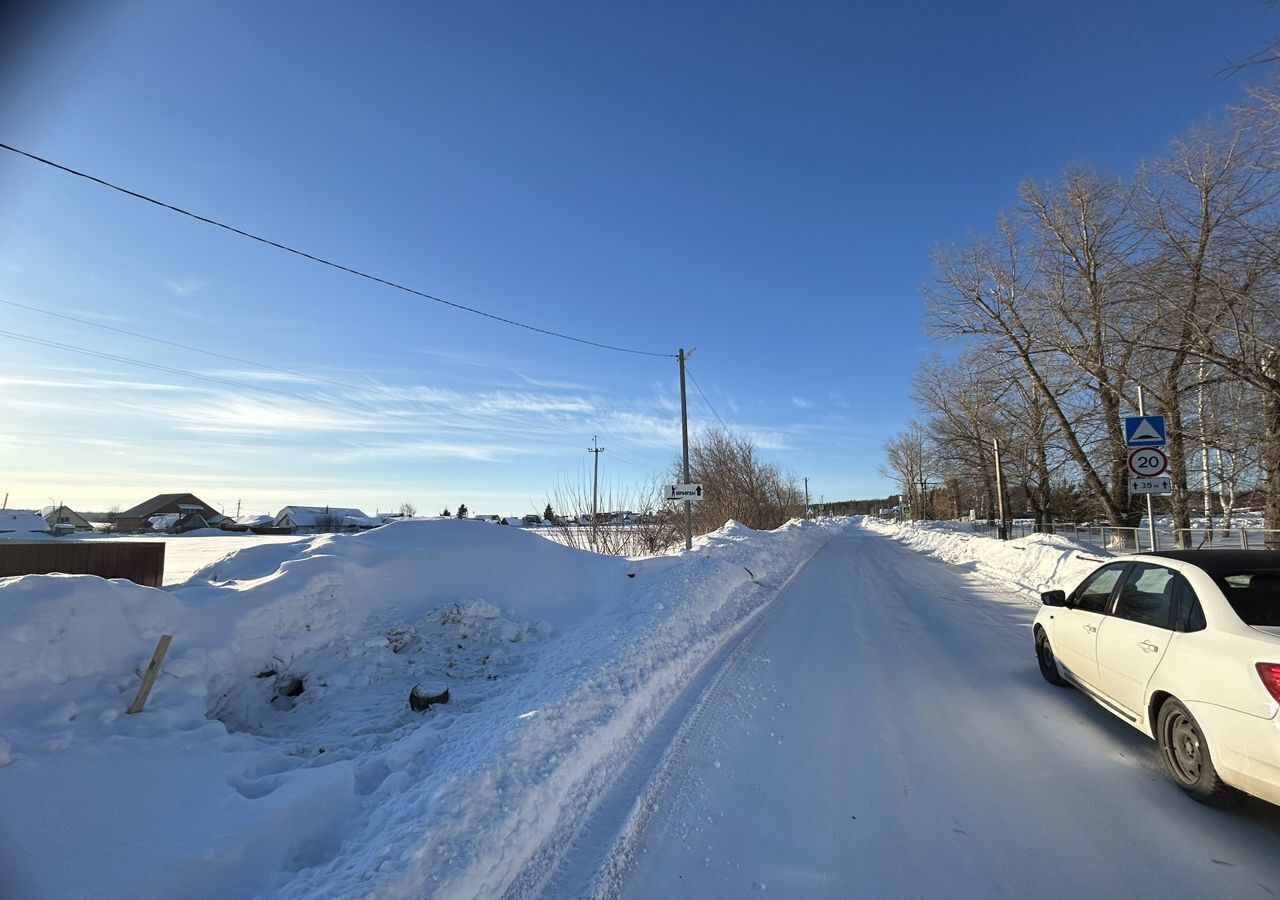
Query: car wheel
x=1044 y=656
x=1187 y=758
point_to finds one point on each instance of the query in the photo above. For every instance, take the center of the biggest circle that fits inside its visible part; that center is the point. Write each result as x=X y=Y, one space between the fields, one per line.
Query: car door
x=1076 y=626
x=1134 y=638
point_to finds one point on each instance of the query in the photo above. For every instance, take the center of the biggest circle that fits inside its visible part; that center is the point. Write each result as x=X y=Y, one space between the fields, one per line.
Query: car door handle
x=1149 y=647
x=1090 y=628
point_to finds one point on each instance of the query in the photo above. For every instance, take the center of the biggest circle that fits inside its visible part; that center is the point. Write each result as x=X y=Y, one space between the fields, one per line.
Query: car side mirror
x=1054 y=598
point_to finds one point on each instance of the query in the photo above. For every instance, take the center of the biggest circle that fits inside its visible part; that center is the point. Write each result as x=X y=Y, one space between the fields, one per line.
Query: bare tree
x=739 y=485
x=910 y=463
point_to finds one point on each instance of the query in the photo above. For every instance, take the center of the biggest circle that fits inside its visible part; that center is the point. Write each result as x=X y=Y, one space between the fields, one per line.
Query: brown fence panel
x=139 y=561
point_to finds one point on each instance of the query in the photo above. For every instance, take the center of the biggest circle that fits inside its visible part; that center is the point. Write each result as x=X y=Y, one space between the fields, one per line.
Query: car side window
x=1190 y=616
x=1095 y=591
x=1147 y=596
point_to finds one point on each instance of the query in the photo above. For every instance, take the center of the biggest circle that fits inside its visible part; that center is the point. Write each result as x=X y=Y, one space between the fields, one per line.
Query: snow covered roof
x=22 y=521
x=309 y=516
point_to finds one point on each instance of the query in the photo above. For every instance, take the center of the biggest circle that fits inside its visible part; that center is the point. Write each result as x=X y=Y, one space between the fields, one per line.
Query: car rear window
x=1255 y=596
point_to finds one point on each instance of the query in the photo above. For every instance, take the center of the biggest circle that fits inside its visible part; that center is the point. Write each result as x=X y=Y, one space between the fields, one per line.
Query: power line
x=704 y=398
x=322 y=260
x=639 y=464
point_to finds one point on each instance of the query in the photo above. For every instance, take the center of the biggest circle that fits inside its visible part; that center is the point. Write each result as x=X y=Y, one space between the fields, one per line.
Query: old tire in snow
x=1044 y=656
x=1187 y=758
x=427 y=694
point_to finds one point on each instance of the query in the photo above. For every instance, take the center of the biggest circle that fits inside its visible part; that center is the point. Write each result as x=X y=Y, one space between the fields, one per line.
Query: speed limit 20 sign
x=1148 y=462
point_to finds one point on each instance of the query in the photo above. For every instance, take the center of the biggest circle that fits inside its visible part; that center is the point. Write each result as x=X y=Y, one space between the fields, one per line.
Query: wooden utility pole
x=1002 y=530
x=595 y=487
x=684 y=433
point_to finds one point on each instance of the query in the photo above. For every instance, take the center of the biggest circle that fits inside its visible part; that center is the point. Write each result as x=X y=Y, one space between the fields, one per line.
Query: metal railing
x=1126 y=539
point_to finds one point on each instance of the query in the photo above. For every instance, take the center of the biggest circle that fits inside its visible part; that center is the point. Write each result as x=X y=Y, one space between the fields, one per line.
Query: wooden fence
x=138 y=561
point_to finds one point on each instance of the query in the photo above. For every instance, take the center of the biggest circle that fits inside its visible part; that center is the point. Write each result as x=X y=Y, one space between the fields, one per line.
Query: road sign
x=1162 y=484
x=1148 y=462
x=1144 y=431
x=684 y=492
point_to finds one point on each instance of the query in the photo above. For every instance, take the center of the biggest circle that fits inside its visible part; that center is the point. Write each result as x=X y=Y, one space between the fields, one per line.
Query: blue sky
x=762 y=181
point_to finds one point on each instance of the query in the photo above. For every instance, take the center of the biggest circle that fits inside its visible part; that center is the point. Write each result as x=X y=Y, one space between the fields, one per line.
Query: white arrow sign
x=684 y=492
x=1161 y=484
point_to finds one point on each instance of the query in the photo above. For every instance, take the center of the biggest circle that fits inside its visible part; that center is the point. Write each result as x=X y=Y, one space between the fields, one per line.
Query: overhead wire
x=704 y=398
x=321 y=260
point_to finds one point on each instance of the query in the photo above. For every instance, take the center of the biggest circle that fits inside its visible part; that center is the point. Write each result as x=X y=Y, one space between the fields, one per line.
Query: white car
x=1185 y=647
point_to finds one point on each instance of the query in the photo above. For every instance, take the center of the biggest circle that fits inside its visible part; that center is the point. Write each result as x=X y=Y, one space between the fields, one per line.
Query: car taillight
x=1270 y=675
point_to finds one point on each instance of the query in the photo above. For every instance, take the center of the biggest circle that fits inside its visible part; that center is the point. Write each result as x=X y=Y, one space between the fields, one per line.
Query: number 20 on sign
x=1148 y=462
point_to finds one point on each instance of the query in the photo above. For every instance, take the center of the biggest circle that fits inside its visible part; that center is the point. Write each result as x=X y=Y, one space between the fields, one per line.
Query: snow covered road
x=882 y=731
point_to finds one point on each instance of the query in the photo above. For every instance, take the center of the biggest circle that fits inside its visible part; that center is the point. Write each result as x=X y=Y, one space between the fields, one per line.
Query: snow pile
x=1036 y=563
x=278 y=754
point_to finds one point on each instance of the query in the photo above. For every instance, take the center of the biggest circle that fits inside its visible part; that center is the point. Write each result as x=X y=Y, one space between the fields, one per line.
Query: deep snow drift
x=278 y=755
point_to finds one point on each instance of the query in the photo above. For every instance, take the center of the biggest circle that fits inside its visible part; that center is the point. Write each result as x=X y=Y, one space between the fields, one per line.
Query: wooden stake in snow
x=149 y=677
x=427 y=694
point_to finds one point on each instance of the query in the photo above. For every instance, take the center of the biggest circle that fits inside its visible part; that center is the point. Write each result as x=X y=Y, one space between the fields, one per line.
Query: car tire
x=1187 y=758
x=1044 y=656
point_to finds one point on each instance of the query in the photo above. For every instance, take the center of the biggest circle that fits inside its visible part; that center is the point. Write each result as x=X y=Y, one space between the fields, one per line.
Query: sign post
x=1147 y=463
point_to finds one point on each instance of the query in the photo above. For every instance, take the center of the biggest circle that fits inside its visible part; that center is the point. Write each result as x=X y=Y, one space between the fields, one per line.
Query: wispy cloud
x=801 y=402
x=185 y=286
x=264 y=375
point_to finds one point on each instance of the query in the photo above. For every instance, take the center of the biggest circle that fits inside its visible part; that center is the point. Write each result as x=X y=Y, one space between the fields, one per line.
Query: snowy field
x=598 y=708
x=186 y=554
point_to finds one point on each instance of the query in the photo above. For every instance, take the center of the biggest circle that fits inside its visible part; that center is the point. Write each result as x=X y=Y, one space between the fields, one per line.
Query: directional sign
x=1144 y=431
x=1162 y=484
x=684 y=492
x=1148 y=462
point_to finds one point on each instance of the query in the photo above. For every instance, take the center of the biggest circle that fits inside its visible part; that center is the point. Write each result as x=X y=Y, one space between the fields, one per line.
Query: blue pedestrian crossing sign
x=1144 y=431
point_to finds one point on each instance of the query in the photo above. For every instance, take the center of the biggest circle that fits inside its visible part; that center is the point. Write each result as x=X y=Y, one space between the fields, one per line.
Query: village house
x=172 y=513
x=63 y=519
x=19 y=522
x=322 y=519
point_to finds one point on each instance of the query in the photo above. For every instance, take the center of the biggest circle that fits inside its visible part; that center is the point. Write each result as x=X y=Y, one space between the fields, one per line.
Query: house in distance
x=173 y=513
x=322 y=519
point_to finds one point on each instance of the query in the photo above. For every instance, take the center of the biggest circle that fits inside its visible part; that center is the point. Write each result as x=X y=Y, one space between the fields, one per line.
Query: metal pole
x=684 y=435
x=1151 y=516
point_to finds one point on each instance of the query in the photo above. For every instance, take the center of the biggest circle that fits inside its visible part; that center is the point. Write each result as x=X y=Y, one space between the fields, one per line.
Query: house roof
x=62 y=510
x=307 y=516
x=153 y=506
x=22 y=521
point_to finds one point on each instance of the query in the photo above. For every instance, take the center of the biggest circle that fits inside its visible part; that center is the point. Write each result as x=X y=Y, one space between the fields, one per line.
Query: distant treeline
x=854 y=507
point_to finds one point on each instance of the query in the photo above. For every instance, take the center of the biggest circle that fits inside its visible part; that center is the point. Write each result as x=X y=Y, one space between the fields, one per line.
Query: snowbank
x=1036 y=563
x=278 y=755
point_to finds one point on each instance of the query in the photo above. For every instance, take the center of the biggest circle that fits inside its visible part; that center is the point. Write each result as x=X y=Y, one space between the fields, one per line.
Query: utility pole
x=1002 y=531
x=595 y=486
x=806 y=496
x=684 y=434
